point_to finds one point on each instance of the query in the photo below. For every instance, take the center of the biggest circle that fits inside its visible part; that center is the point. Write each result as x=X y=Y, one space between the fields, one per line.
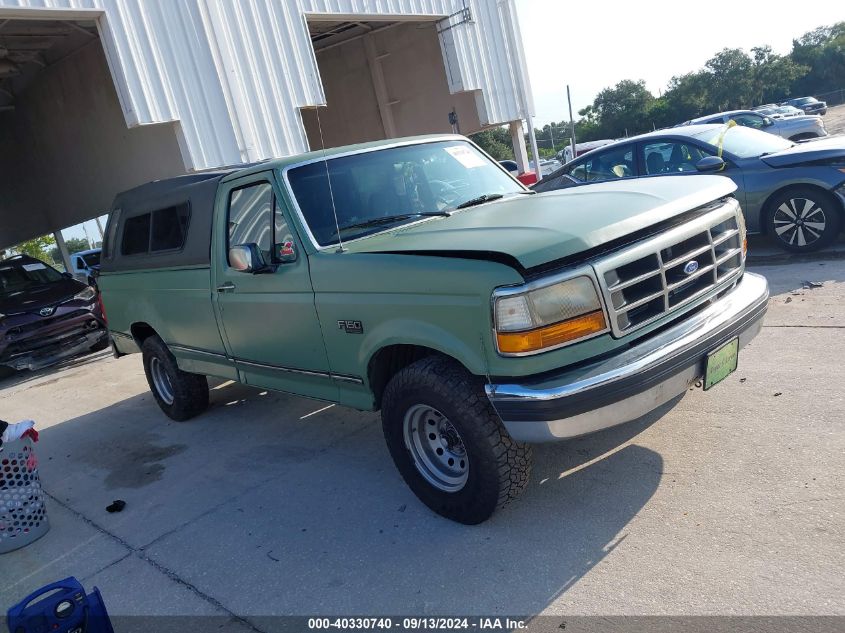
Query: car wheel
x=448 y=443
x=180 y=395
x=803 y=220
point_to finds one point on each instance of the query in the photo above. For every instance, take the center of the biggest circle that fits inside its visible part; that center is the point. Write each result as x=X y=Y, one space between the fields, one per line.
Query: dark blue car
x=794 y=192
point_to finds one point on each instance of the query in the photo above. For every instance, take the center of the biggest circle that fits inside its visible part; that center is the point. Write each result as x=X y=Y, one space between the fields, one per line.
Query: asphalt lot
x=834 y=120
x=725 y=502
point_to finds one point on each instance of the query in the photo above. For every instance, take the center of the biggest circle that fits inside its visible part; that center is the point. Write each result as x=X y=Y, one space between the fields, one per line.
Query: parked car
x=797 y=128
x=416 y=277
x=793 y=192
x=779 y=112
x=809 y=105
x=85 y=265
x=46 y=316
x=565 y=155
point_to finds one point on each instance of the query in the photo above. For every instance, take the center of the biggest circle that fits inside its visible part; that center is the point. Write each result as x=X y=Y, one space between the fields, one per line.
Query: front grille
x=663 y=273
x=42 y=323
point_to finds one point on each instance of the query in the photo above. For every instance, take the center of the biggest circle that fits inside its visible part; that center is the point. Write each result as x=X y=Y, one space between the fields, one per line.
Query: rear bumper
x=628 y=385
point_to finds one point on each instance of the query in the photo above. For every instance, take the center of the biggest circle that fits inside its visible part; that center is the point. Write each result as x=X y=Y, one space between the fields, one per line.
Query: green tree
x=822 y=50
x=622 y=110
x=74 y=245
x=772 y=76
x=730 y=79
x=496 y=142
x=36 y=247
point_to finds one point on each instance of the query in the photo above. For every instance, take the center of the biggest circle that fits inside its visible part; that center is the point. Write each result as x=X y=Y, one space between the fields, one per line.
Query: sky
x=593 y=45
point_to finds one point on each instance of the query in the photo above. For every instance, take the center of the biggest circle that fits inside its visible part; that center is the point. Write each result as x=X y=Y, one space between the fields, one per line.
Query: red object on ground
x=528 y=178
x=31 y=434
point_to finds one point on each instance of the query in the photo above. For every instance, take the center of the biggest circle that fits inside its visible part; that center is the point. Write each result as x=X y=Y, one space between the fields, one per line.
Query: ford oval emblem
x=690 y=267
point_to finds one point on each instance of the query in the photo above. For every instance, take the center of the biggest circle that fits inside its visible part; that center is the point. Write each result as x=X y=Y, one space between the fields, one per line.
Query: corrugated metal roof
x=234 y=73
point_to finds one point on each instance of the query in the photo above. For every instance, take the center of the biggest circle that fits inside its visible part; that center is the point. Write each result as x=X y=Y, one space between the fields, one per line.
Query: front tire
x=804 y=219
x=180 y=395
x=449 y=444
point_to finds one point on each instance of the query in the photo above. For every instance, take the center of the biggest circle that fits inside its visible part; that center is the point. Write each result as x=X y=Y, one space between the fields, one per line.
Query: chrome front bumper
x=634 y=382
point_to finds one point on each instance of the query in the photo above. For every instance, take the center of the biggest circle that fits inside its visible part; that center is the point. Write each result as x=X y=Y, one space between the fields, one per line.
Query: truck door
x=268 y=319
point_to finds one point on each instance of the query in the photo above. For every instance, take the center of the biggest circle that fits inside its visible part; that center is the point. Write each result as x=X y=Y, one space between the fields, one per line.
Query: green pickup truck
x=417 y=277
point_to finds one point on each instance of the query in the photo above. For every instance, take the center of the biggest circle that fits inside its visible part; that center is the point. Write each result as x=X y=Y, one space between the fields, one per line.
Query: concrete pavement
x=725 y=502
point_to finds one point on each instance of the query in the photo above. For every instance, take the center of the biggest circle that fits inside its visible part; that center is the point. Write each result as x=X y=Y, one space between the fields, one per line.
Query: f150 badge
x=350 y=327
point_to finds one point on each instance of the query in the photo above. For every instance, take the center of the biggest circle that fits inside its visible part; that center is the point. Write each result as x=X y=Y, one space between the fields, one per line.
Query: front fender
x=467 y=351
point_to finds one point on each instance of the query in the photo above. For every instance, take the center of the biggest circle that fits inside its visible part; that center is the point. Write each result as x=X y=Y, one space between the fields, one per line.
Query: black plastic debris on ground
x=116 y=506
x=809 y=285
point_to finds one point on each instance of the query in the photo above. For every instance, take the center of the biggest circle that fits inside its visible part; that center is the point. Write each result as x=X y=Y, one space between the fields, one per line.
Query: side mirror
x=67 y=275
x=246 y=258
x=767 y=122
x=710 y=163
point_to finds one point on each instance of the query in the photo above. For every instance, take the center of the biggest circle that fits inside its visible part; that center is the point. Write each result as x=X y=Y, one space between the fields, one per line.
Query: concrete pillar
x=518 y=142
x=60 y=242
x=380 y=86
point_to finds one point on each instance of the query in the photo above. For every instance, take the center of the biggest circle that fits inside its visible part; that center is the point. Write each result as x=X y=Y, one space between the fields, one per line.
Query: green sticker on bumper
x=721 y=363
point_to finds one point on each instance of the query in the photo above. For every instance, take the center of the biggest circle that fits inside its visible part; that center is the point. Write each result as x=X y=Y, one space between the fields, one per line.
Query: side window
x=255 y=217
x=136 y=235
x=79 y=264
x=169 y=228
x=610 y=165
x=671 y=157
x=749 y=120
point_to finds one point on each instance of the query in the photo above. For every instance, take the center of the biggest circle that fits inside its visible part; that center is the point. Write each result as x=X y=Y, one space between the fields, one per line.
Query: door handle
x=225 y=287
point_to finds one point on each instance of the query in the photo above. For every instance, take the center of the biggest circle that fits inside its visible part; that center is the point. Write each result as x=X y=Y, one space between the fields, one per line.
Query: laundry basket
x=23 y=515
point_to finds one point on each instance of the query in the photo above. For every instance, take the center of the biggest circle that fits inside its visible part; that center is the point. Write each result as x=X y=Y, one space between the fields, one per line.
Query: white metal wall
x=234 y=73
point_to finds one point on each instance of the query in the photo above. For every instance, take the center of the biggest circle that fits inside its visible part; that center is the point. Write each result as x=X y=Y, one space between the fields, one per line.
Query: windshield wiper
x=487 y=197
x=393 y=218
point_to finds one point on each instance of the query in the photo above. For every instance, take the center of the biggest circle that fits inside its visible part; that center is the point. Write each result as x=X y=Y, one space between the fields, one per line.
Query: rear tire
x=449 y=444
x=803 y=219
x=180 y=395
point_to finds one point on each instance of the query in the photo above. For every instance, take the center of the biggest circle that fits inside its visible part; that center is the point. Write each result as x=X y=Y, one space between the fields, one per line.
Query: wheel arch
x=141 y=331
x=391 y=359
x=766 y=207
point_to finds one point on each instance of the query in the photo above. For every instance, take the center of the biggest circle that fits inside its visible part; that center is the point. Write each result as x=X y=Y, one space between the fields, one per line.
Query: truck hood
x=824 y=149
x=544 y=227
x=37 y=297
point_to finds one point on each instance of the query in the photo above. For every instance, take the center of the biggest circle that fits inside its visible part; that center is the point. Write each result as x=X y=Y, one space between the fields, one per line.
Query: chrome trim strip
x=194 y=350
x=303 y=372
x=122 y=335
x=288 y=370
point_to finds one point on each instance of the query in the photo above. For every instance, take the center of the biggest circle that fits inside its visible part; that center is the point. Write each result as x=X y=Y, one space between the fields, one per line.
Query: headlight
x=86 y=295
x=545 y=317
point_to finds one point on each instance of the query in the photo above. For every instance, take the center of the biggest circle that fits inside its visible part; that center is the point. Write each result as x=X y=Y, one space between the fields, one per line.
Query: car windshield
x=92 y=259
x=17 y=277
x=744 y=142
x=379 y=190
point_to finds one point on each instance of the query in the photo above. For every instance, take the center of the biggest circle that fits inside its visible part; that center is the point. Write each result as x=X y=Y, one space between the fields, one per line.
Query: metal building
x=97 y=96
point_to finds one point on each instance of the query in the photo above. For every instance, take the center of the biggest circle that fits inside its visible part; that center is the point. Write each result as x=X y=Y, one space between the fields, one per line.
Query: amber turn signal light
x=551 y=335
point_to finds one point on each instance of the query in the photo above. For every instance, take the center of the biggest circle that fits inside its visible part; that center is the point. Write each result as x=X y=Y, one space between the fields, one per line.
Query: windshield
x=92 y=259
x=408 y=182
x=744 y=142
x=18 y=277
